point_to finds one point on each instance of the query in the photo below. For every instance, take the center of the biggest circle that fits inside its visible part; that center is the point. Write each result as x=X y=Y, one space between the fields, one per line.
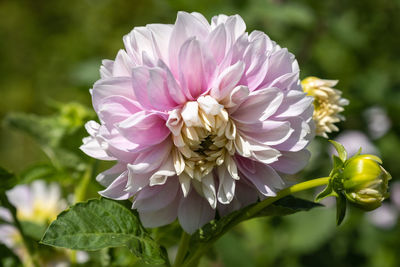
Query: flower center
x=205 y=139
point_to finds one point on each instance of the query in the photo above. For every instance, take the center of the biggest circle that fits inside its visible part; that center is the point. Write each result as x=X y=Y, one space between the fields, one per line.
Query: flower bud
x=365 y=181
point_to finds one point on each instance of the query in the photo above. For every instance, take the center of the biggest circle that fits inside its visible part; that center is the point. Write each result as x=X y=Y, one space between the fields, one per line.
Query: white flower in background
x=378 y=122
x=353 y=141
x=38 y=203
x=328 y=103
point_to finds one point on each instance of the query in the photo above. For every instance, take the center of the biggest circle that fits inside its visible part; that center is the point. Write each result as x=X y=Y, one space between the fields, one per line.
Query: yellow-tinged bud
x=360 y=179
x=328 y=103
x=365 y=181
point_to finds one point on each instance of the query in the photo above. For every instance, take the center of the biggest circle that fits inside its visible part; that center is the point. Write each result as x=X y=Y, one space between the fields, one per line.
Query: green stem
x=80 y=191
x=192 y=259
x=182 y=249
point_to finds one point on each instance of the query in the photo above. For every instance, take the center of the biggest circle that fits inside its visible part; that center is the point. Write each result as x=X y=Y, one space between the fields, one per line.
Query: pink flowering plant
x=205 y=125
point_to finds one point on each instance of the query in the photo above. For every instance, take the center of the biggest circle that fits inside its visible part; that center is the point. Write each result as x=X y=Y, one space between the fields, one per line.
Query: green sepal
x=340 y=149
x=327 y=192
x=340 y=208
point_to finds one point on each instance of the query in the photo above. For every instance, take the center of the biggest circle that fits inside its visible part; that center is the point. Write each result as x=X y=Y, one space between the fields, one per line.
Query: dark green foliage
x=103 y=223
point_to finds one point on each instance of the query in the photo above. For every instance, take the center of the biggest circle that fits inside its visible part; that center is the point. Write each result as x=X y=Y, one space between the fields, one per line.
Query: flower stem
x=182 y=249
x=192 y=259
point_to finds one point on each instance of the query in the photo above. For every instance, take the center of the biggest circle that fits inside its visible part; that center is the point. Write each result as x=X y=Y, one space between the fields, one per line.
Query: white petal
x=226 y=188
x=190 y=114
x=160 y=176
x=208 y=188
x=209 y=105
x=185 y=181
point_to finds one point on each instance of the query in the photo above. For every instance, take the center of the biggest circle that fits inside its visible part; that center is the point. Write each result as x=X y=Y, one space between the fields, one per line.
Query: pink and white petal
x=185 y=182
x=295 y=104
x=92 y=127
x=245 y=195
x=216 y=43
x=174 y=89
x=137 y=181
x=106 y=177
x=227 y=81
x=166 y=170
x=291 y=162
x=226 y=188
x=104 y=88
x=161 y=217
x=152 y=198
x=191 y=71
x=137 y=42
x=265 y=179
x=202 y=19
x=235 y=25
x=235 y=98
x=160 y=35
x=266 y=132
x=208 y=189
x=115 y=109
x=116 y=190
x=175 y=122
x=123 y=65
x=94 y=149
x=263 y=153
x=282 y=61
x=158 y=92
x=258 y=106
x=140 y=79
x=286 y=82
x=194 y=211
x=106 y=68
x=299 y=138
x=186 y=26
x=143 y=128
x=152 y=158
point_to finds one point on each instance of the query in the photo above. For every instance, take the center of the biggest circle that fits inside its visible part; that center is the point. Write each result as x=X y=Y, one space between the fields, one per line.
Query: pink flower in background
x=200 y=118
x=352 y=141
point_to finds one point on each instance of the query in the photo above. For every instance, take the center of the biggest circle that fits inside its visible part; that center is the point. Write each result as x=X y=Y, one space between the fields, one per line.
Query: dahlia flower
x=328 y=104
x=200 y=118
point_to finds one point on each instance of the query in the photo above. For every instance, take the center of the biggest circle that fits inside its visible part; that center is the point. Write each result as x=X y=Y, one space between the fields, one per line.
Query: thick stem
x=253 y=211
x=182 y=249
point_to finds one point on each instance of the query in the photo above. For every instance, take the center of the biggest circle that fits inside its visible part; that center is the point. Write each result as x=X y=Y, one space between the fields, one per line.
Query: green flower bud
x=360 y=180
x=365 y=181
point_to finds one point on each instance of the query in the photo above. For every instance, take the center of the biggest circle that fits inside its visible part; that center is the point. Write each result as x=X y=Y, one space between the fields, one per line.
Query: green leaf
x=340 y=208
x=102 y=223
x=7 y=180
x=340 y=149
x=284 y=206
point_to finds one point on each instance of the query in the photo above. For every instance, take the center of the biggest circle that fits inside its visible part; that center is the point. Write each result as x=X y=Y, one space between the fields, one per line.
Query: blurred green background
x=51 y=51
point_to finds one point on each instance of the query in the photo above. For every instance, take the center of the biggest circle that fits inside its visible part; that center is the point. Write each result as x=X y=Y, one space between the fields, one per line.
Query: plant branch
x=253 y=211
